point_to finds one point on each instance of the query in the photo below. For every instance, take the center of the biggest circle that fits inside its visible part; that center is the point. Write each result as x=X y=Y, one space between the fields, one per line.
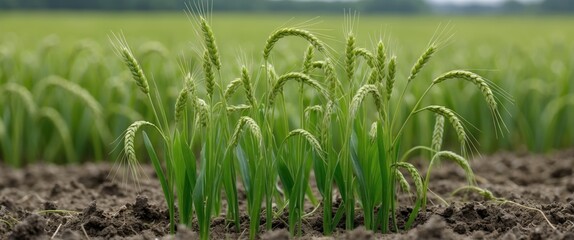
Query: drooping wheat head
x=285 y=32
x=299 y=77
x=360 y=96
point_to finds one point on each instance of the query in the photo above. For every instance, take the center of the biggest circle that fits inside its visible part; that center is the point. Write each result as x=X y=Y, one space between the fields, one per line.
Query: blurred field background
x=530 y=56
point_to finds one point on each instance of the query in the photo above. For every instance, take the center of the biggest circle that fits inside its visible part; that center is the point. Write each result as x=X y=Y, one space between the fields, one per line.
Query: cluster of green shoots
x=34 y=128
x=351 y=145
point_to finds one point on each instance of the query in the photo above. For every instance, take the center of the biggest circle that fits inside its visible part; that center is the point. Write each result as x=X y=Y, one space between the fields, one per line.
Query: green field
x=529 y=57
x=71 y=83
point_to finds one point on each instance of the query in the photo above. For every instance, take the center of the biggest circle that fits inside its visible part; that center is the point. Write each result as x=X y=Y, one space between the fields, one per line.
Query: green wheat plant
x=263 y=129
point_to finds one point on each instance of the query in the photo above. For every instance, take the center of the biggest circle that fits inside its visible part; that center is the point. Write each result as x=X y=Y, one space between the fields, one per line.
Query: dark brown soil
x=77 y=202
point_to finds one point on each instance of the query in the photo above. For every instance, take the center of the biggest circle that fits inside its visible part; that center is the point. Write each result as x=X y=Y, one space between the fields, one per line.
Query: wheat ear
x=423 y=59
x=365 y=54
x=232 y=88
x=437 y=134
x=310 y=139
x=284 y=32
x=300 y=77
x=308 y=60
x=459 y=160
x=203 y=108
x=391 y=76
x=247 y=86
x=24 y=94
x=360 y=96
x=475 y=79
x=313 y=109
x=253 y=127
x=209 y=38
x=415 y=176
x=129 y=139
x=135 y=68
x=381 y=61
x=238 y=108
x=72 y=88
x=326 y=122
x=209 y=76
x=180 y=103
x=318 y=65
x=331 y=79
x=454 y=120
x=350 y=57
x=403 y=181
x=373 y=132
x=129 y=144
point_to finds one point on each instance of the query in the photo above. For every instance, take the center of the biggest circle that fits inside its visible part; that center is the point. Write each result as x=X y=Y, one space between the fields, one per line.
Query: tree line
x=363 y=6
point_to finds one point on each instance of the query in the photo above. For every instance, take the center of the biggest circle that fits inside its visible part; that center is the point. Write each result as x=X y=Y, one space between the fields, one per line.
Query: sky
x=464 y=2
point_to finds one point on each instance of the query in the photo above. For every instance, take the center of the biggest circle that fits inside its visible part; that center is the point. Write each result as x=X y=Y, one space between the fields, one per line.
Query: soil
x=86 y=202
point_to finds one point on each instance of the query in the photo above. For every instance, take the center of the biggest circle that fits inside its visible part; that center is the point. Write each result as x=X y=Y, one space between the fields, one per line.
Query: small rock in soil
x=144 y=211
x=50 y=205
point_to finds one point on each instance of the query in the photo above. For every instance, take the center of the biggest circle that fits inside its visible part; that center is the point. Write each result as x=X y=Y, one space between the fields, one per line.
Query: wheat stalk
x=284 y=32
x=62 y=127
x=2 y=129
